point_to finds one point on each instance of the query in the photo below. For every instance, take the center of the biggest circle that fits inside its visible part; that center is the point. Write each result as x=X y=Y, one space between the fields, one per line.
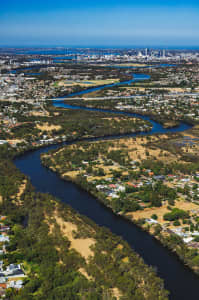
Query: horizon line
x=194 y=47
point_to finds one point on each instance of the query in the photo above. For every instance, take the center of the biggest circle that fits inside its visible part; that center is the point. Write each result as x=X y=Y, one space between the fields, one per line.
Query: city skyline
x=112 y=23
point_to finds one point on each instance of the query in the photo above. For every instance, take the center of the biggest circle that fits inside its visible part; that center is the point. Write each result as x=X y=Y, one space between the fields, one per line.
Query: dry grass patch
x=160 y=211
x=130 y=65
x=119 y=119
x=186 y=205
x=139 y=150
x=83 y=272
x=148 y=212
x=17 y=198
x=88 y=83
x=72 y=174
x=120 y=246
x=125 y=259
x=39 y=113
x=15 y=141
x=47 y=127
x=81 y=245
x=21 y=189
x=116 y=293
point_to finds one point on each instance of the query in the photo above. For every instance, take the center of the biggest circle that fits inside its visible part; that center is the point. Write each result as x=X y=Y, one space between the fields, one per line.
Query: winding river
x=182 y=283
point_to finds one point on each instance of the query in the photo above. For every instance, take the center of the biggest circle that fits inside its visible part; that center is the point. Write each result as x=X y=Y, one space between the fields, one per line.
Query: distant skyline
x=99 y=23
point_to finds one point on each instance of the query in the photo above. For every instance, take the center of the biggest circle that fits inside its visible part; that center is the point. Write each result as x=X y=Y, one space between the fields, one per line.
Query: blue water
x=63 y=57
x=136 y=77
x=32 y=74
x=61 y=61
x=25 y=68
x=157 y=127
x=179 y=280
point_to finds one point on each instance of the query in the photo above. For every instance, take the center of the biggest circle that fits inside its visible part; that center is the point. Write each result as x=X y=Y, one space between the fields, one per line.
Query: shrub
x=154 y=216
x=176 y=214
x=176 y=223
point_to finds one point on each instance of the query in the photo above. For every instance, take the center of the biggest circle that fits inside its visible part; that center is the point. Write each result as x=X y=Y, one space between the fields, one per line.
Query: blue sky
x=99 y=23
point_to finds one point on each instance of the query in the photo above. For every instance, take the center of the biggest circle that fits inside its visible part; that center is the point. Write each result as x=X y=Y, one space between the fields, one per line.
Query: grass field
x=87 y=83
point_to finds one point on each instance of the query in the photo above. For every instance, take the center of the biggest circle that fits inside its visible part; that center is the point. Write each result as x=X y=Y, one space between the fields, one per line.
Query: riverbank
x=100 y=105
x=97 y=177
x=120 y=105
x=65 y=253
x=79 y=199
x=88 y=206
x=157 y=233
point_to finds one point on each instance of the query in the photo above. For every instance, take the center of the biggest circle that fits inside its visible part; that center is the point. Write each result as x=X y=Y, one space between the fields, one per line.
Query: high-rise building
x=163 y=53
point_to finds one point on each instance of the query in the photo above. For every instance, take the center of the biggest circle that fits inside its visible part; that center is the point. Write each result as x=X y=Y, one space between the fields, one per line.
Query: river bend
x=182 y=283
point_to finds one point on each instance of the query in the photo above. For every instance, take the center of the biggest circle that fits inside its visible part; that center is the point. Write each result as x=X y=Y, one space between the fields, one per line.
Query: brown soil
x=80 y=245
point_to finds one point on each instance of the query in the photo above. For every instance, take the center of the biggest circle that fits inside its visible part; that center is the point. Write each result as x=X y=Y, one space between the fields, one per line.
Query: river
x=182 y=283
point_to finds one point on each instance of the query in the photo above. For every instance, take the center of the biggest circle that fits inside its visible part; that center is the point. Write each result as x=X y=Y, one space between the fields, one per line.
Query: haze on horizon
x=99 y=23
